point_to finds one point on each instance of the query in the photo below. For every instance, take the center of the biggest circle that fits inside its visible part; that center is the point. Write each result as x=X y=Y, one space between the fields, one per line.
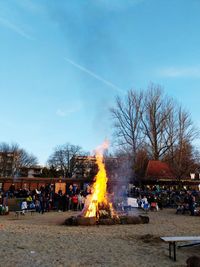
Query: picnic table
x=173 y=239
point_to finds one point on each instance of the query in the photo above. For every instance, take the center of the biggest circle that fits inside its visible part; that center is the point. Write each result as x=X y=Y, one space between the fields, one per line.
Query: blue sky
x=63 y=62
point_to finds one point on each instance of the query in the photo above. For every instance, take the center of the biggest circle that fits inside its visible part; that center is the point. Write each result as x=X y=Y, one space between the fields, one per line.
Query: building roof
x=158 y=170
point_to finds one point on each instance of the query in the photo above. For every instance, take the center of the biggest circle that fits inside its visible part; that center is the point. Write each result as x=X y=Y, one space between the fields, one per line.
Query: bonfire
x=98 y=204
x=98 y=208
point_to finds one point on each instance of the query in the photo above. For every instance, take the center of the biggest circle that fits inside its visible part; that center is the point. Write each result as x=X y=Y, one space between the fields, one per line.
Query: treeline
x=148 y=124
x=15 y=161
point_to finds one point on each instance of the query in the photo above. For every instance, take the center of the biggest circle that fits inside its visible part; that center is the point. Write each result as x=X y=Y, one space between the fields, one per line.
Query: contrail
x=93 y=75
x=14 y=28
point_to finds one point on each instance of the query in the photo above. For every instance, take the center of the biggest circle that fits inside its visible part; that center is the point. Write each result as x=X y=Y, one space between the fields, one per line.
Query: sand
x=42 y=240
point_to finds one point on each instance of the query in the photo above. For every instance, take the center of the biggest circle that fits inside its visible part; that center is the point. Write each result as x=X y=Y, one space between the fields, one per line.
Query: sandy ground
x=42 y=240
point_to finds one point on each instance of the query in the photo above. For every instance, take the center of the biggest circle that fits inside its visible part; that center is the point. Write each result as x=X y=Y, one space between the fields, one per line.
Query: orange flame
x=99 y=188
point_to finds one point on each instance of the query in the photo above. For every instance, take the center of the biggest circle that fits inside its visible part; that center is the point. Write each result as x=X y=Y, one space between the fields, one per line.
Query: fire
x=98 y=201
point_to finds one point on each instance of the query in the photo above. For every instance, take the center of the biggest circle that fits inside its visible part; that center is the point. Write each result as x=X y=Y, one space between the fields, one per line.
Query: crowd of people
x=188 y=204
x=155 y=199
x=46 y=198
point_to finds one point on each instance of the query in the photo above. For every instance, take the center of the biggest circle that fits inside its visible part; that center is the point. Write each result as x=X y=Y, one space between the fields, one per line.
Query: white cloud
x=61 y=113
x=67 y=112
x=185 y=72
x=7 y=24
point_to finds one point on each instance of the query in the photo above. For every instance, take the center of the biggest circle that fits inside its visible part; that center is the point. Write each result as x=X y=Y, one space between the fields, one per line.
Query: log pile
x=89 y=221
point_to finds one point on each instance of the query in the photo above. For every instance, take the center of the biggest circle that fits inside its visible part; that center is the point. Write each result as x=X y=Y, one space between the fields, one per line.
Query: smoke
x=92 y=37
x=125 y=175
x=100 y=150
x=120 y=172
x=95 y=55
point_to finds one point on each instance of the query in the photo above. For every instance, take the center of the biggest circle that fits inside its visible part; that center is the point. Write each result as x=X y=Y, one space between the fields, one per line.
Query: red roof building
x=157 y=170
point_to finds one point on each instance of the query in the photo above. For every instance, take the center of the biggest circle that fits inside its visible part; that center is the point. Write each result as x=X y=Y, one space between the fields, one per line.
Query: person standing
x=145 y=204
x=191 y=204
x=69 y=196
x=75 y=202
x=24 y=206
x=79 y=206
x=42 y=201
x=64 y=202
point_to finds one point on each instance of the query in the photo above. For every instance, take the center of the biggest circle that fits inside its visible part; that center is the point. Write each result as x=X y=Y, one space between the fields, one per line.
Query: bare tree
x=186 y=129
x=141 y=163
x=127 y=122
x=155 y=121
x=60 y=159
x=144 y=118
x=171 y=128
x=13 y=158
x=151 y=125
x=182 y=158
x=24 y=159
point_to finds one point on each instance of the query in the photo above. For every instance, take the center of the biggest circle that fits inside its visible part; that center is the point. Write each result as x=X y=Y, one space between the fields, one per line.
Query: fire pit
x=98 y=208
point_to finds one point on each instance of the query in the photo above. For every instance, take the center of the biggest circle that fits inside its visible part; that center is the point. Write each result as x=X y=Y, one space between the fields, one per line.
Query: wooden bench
x=23 y=212
x=173 y=239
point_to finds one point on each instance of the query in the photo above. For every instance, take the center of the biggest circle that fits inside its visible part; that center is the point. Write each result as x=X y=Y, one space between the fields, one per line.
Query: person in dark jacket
x=191 y=202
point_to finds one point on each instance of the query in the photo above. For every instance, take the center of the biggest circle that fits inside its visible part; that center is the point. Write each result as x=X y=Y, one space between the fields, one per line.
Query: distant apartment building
x=86 y=167
x=7 y=163
x=83 y=166
x=9 y=166
x=30 y=172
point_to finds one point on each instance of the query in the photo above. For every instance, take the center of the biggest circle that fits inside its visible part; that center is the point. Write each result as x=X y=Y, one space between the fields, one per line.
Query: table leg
x=174 y=246
x=170 y=252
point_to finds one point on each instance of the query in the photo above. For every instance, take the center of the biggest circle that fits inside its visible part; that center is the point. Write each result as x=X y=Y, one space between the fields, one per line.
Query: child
x=24 y=206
